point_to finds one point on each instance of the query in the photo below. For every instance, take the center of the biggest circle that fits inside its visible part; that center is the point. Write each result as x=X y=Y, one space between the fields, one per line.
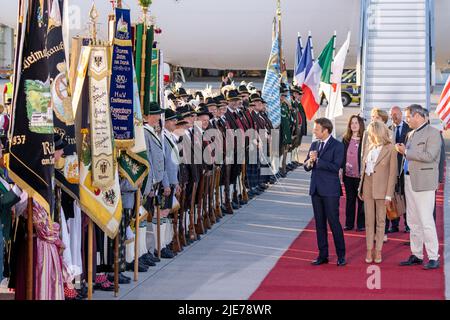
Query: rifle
x=176 y=239
x=182 y=231
x=217 y=210
x=243 y=187
x=211 y=187
x=199 y=227
x=206 y=220
x=192 y=234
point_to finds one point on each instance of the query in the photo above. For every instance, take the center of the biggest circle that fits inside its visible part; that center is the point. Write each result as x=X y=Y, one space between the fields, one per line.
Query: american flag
x=443 y=108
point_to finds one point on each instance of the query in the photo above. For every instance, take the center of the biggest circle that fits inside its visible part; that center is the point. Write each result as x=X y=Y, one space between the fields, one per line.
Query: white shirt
x=371 y=160
x=325 y=141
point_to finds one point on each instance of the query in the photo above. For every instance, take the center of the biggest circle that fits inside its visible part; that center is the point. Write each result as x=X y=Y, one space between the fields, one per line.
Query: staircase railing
x=364 y=31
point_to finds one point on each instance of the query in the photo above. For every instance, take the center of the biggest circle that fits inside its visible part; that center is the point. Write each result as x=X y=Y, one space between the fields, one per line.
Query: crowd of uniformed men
x=195 y=190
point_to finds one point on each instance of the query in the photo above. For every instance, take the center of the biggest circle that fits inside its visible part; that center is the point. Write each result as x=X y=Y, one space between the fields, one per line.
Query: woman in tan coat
x=376 y=189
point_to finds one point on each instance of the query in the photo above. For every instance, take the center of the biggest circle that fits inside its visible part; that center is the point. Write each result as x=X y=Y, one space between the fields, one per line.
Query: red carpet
x=294 y=278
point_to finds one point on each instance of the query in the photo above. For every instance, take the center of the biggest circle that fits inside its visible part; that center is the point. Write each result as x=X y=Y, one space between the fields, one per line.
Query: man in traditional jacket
x=191 y=174
x=172 y=161
x=302 y=123
x=233 y=121
x=285 y=129
x=157 y=185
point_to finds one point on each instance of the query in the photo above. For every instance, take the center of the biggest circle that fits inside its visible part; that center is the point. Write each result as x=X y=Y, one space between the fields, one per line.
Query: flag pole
x=327 y=113
x=112 y=18
x=116 y=265
x=93 y=16
x=136 y=234
x=143 y=54
x=29 y=292
x=90 y=260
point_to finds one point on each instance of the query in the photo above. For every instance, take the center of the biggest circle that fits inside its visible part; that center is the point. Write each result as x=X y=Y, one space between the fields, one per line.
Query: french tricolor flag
x=305 y=63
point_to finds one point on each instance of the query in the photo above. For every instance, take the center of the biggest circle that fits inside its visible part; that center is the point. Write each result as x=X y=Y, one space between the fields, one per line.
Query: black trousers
x=326 y=209
x=351 y=190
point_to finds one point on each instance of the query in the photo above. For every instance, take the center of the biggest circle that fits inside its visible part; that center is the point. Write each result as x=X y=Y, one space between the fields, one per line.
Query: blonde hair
x=381 y=113
x=378 y=133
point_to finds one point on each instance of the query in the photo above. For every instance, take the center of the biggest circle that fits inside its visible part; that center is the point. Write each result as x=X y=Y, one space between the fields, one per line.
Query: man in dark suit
x=324 y=159
x=399 y=131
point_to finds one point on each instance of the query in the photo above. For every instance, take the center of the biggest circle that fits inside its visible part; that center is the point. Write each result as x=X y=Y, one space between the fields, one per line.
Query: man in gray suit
x=172 y=162
x=421 y=168
x=157 y=181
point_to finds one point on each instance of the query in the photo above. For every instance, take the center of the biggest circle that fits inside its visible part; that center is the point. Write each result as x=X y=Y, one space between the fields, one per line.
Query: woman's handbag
x=401 y=203
x=391 y=210
x=396 y=207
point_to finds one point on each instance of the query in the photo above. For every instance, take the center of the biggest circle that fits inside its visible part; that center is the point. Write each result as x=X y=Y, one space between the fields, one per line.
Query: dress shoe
x=146 y=261
x=393 y=230
x=150 y=256
x=341 y=262
x=228 y=209
x=242 y=202
x=170 y=246
x=141 y=267
x=166 y=253
x=319 y=261
x=432 y=264
x=412 y=260
x=263 y=186
x=283 y=175
x=348 y=228
x=122 y=278
x=361 y=229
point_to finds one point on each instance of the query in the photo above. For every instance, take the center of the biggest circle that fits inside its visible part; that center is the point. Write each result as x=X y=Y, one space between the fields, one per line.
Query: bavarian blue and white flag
x=271 y=86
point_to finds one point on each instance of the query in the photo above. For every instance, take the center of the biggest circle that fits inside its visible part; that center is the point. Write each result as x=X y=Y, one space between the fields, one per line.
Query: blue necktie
x=321 y=147
x=397 y=136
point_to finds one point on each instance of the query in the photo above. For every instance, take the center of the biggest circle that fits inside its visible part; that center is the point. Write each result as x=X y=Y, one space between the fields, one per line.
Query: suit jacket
x=325 y=171
x=403 y=134
x=171 y=155
x=365 y=143
x=155 y=156
x=384 y=175
x=423 y=155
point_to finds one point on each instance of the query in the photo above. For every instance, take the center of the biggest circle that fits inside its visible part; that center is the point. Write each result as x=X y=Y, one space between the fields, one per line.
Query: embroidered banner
x=66 y=170
x=154 y=82
x=121 y=95
x=100 y=120
x=31 y=161
x=102 y=204
x=133 y=163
